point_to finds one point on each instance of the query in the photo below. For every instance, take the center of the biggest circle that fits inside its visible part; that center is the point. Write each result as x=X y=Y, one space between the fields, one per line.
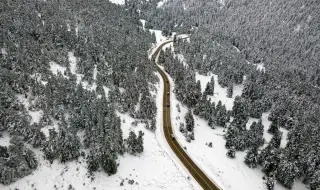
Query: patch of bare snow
x=23 y=100
x=261 y=67
x=160 y=3
x=77 y=30
x=88 y=86
x=95 y=72
x=4 y=52
x=56 y=68
x=219 y=92
x=184 y=36
x=118 y=2
x=72 y=62
x=121 y=89
x=266 y=123
x=106 y=90
x=159 y=37
x=73 y=69
x=284 y=139
x=35 y=116
x=143 y=22
x=4 y=139
x=222 y=2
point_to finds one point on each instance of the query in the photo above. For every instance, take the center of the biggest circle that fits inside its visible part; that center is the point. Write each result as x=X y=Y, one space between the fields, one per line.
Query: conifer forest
x=79 y=84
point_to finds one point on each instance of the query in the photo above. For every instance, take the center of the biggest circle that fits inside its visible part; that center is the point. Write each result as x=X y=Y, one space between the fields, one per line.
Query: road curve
x=194 y=170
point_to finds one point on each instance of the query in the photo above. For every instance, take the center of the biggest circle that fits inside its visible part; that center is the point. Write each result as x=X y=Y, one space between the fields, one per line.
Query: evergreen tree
x=274 y=128
x=189 y=121
x=92 y=162
x=255 y=135
x=270 y=182
x=276 y=139
x=231 y=153
x=209 y=90
x=251 y=158
x=230 y=90
x=239 y=109
x=139 y=146
x=315 y=180
x=161 y=57
x=153 y=125
x=286 y=173
x=131 y=140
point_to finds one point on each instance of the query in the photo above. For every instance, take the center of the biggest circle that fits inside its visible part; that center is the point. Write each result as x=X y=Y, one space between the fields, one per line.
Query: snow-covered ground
x=159 y=37
x=219 y=92
x=119 y=2
x=160 y=3
x=143 y=22
x=230 y=174
x=56 y=68
x=73 y=69
x=156 y=168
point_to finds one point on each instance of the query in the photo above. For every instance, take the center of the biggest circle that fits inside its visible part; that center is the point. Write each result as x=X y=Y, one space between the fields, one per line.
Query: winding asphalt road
x=194 y=170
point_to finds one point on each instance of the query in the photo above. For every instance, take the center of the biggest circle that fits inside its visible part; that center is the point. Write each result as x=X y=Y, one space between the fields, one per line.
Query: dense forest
x=231 y=39
x=109 y=47
x=103 y=46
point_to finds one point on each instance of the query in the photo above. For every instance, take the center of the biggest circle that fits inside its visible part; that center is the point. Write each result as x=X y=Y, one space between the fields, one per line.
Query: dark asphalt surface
x=194 y=170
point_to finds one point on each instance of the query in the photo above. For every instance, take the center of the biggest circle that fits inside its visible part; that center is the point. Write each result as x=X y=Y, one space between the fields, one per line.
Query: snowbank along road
x=194 y=170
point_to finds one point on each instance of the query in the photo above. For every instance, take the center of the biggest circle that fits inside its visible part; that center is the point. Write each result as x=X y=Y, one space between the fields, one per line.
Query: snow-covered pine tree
x=251 y=158
x=270 y=182
x=286 y=173
x=231 y=153
x=189 y=121
x=139 y=143
x=230 y=90
x=274 y=127
x=131 y=143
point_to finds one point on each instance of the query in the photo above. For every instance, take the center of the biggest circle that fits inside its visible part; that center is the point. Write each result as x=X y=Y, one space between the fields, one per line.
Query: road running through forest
x=193 y=169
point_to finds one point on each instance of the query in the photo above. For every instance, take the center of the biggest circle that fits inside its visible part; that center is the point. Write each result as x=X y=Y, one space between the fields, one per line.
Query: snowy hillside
x=230 y=174
x=155 y=168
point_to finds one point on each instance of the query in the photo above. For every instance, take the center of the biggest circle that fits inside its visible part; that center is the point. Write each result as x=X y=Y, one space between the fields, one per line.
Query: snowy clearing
x=155 y=168
x=56 y=68
x=118 y=2
x=159 y=37
x=4 y=139
x=35 y=116
x=219 y=92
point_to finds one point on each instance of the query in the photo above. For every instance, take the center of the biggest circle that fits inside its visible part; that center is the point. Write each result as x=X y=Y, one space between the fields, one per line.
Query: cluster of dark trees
x=102 y=36
x=16 y=161
x=188 y=129
x=187 y=89
x=229 y=40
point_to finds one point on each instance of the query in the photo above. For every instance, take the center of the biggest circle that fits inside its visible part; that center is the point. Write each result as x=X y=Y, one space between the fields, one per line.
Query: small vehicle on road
x=172 y=136
x=168 y=105
x=168 y=93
